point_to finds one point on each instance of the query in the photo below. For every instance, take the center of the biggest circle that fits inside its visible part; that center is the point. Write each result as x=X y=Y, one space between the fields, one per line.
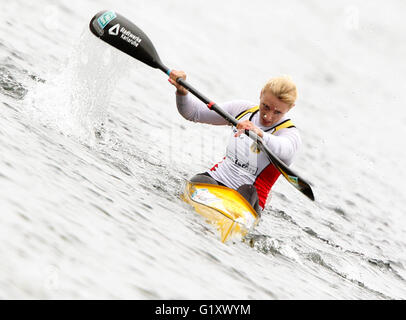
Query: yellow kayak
x=222 y=207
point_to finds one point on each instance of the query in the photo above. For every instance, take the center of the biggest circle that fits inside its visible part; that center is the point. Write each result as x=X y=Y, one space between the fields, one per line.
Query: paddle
x=122 y=34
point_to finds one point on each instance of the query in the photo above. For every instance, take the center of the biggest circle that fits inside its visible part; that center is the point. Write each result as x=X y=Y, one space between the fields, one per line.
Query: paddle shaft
x=210 y=104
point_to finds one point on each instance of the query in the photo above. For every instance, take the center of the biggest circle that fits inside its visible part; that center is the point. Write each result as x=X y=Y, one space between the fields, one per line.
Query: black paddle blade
x=294 y=179
x=122 y=34
x=298 y=183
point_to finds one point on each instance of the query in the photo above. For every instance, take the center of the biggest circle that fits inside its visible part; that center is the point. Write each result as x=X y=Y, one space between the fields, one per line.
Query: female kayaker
x=245 y=168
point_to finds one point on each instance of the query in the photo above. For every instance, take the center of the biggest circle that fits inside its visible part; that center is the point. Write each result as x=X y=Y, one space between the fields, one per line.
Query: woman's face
x=271 y=109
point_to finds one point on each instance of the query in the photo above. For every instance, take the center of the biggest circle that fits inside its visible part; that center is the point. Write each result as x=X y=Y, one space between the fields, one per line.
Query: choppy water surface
x=94 y=153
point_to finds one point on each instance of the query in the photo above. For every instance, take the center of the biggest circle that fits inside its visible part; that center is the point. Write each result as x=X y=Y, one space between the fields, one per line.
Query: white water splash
x=75 y=101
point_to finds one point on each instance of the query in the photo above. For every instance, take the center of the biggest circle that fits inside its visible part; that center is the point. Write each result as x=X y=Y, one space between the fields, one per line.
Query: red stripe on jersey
x=264 y=183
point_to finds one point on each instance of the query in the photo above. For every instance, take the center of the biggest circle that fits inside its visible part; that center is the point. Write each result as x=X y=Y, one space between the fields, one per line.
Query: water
x=93 y=152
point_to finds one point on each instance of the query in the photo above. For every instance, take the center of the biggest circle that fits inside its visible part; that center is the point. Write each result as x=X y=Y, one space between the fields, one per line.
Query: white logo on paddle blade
x=114 y=30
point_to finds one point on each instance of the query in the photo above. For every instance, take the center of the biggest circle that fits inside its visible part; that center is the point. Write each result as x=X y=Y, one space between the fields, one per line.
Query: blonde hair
x=282 y=88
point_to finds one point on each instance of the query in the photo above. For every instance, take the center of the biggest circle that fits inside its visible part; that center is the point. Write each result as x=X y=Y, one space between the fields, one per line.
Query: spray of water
x=76 y=100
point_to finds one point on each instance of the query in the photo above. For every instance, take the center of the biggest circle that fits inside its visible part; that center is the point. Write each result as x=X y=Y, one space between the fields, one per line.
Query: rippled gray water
x=94 y=153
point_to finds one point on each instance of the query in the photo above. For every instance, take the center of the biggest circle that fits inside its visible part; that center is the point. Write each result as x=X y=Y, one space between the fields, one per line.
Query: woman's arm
x=193 y=109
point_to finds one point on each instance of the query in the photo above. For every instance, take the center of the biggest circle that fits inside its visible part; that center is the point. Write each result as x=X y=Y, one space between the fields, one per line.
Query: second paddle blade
x=122 y=34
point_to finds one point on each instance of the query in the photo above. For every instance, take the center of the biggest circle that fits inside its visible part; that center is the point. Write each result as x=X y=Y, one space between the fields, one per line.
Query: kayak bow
x=222 y=207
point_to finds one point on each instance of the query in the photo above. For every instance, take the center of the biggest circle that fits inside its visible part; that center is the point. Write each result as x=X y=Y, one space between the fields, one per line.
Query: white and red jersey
x=244 y=163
